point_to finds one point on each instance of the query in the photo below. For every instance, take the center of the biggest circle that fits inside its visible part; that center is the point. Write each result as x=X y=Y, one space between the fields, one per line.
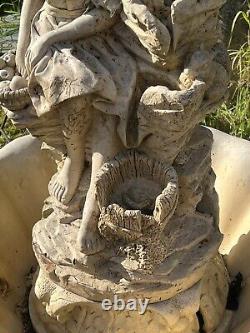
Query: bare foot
x=65 y=185
x=89 y=240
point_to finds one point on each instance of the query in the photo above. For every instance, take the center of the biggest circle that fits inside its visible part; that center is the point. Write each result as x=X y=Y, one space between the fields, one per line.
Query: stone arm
x=95 y=21
x=29 y=9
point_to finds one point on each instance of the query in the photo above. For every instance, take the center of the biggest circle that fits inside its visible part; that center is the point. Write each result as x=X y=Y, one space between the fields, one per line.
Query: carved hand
x=37 y=51
x=20 y=63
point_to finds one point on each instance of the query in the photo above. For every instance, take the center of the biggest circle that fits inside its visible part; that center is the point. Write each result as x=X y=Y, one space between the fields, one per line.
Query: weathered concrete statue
x=116 y=90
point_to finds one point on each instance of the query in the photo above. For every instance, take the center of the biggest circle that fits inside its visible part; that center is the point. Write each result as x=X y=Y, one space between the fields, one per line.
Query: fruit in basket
x=7 y=74
x=4 y=85
x=17 y=83
x=14 y=94
x=10 y=59
x=9 y=78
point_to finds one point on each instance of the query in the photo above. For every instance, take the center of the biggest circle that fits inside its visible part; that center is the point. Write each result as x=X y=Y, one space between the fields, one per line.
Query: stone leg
x=106 y=144
x=76 y=119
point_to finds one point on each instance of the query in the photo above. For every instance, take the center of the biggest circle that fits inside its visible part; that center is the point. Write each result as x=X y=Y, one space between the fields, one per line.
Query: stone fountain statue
x=115 y=90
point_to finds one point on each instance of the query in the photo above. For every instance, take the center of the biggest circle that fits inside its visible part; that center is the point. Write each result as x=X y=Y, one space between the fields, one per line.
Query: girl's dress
x=103 y=67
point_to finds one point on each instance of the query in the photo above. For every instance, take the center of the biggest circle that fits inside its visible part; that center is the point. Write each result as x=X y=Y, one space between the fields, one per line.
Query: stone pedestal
x=165 y=253
x=169 y=260
x=55 y=309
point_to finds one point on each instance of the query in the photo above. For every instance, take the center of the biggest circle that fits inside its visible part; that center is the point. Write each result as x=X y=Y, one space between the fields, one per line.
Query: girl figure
x=76 y=66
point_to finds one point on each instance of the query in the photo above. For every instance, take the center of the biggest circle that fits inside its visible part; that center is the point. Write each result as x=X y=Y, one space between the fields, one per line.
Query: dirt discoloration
x=4 y=287
x=23 y=306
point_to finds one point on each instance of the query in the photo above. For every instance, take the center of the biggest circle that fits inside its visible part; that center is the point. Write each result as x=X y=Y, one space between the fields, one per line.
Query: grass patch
x=9 y=25
x=9 y=132
x=10 y=7
x=234 y=116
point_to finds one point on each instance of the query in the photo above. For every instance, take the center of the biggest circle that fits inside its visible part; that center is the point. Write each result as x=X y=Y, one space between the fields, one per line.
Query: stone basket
x=14 y=100
x=135 y=193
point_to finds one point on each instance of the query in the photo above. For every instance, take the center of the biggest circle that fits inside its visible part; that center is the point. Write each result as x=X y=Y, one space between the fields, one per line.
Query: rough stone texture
x=230 y=157
x=177 y=315
x=118 y=89
x=180 y=266
x=78 y=313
